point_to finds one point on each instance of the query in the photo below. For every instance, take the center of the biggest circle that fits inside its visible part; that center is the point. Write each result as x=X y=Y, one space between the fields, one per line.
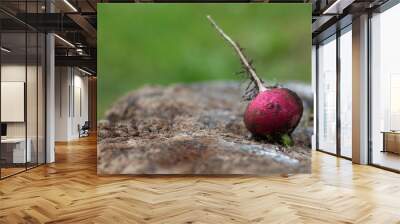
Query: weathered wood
x=193 y=129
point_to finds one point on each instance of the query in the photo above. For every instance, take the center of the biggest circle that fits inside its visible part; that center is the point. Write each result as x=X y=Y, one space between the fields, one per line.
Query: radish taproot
x=273 y=112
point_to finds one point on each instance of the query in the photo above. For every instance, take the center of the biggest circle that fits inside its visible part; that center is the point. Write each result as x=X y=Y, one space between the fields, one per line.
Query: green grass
x=141 y=44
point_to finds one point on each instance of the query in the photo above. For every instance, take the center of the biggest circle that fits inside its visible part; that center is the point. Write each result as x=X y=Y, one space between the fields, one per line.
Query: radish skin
x=273 y=112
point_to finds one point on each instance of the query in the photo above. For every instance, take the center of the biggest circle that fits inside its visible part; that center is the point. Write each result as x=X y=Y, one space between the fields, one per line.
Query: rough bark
x=195 y=129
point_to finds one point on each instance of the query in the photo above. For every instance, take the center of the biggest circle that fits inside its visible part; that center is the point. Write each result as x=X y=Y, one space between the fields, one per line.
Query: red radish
x=273 y=112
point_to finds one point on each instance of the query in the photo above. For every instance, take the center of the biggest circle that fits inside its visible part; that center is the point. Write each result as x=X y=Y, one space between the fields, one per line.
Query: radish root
x=243 y=59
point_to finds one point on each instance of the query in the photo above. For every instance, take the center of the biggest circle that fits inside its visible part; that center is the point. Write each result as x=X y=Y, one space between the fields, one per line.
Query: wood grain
x=70 y=191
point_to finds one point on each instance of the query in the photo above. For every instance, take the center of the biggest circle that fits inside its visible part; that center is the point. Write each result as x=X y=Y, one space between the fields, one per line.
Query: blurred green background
x=141 y=44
